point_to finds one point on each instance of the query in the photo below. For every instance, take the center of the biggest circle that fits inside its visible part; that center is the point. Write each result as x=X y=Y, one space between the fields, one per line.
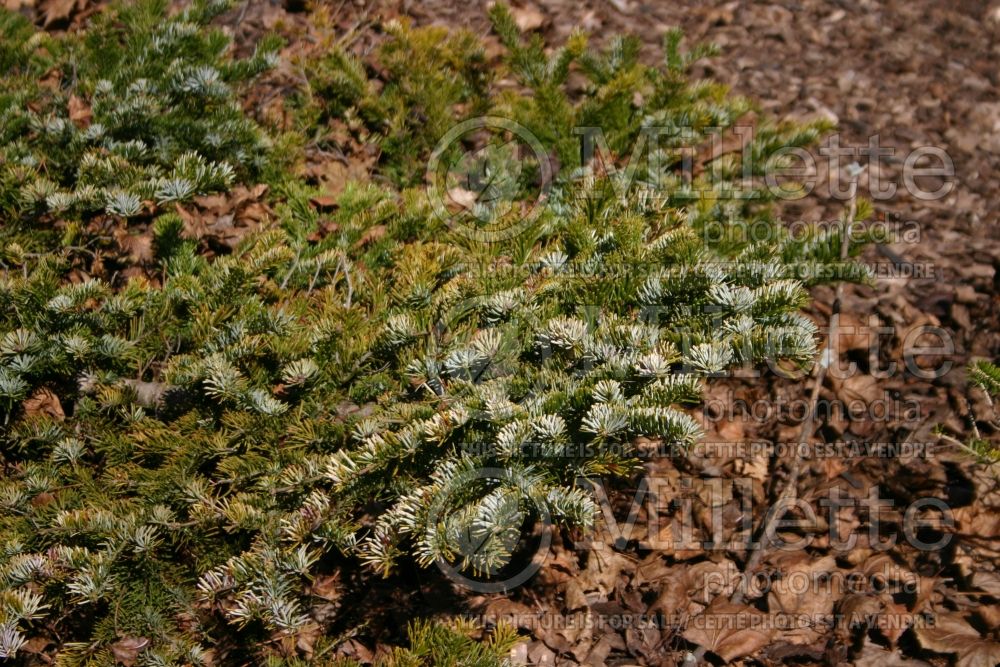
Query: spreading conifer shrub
x=140 y=111
x=183 y=457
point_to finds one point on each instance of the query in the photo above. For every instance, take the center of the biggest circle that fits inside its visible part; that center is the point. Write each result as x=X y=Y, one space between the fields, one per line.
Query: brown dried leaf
x=36 y=645
x=59 y=12
x=528 y=17
x=352 y=648
x=951 y=633
x=324 y=202
x=138 y=246
x=806 y=595
x=894 y=621
x=575 y=597
x=127 y=649
x=855 y=610
x=42 y=499
x=504 y=610
x=327 y=587
x=79 y=111
x=673 y=600
x=859 y=388
x=217 y=203
x=540 y=654
x=460 y=199
x=333 y=174
x=710 y=580
x=305 y=638
x=987 y=581
x=990 y=614
x=44 y=402
x=373 y=234
x=255 y=212
x=604 y=566
x=644 y=641
x=873 y=655
x=853 y=333
x=729 y=630
x=598 y=654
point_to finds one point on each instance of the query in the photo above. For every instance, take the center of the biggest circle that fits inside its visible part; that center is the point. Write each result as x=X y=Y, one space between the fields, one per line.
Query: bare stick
x=759 y=547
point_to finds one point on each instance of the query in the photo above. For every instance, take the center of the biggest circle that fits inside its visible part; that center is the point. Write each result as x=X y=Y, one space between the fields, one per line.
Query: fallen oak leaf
x=859 y=390
x=894 y=621
x=604 y=566
x=987 y=581
x=673 y=600
x=214 y=203
x=461 y=199
x=305 y=638
x=575 y=598
x=42 y=499
x=36 y=645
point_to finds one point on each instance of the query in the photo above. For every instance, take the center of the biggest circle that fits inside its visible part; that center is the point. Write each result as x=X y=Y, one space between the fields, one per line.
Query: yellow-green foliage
x=433 y=79
x=141 y=107
x=182 y=458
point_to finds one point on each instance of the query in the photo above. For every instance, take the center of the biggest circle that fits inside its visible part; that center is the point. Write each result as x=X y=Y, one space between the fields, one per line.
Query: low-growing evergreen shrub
x=423 y=81
x=140 y=111
x=181 y=459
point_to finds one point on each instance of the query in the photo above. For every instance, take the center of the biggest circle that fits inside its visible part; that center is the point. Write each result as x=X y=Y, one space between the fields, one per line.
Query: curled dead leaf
x=327 y=587
x=127 y=649
x=44 y=402
x=79 y=111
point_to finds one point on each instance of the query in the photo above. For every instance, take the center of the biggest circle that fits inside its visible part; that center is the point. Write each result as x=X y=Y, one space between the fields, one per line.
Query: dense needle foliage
x=184 y=450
